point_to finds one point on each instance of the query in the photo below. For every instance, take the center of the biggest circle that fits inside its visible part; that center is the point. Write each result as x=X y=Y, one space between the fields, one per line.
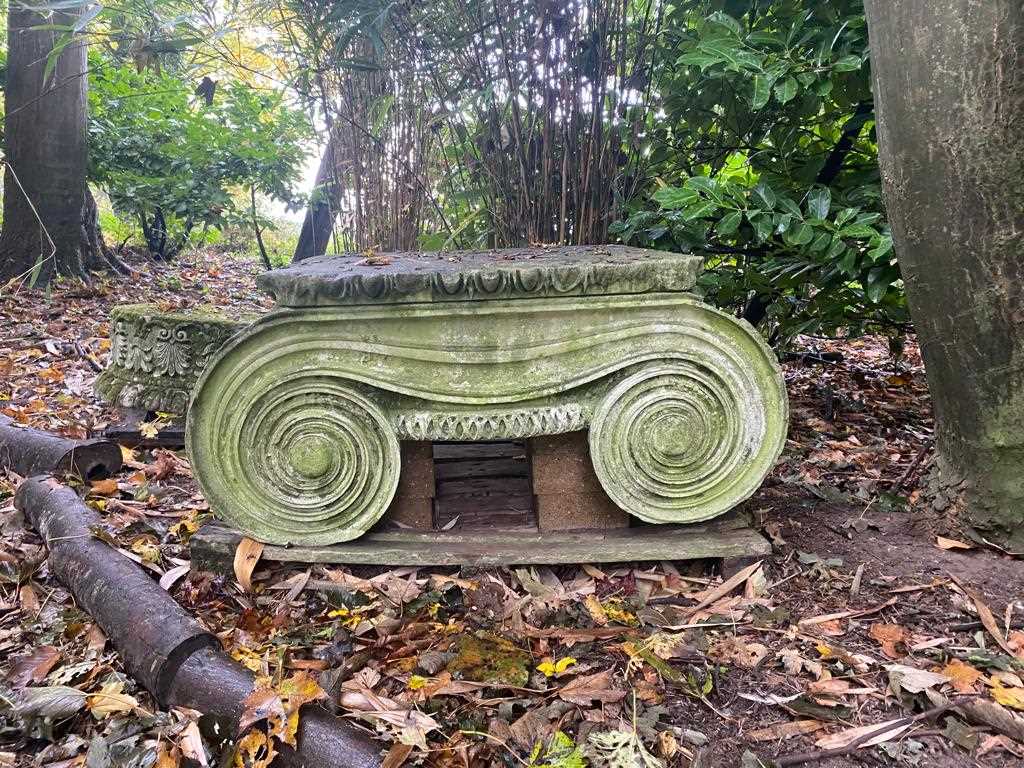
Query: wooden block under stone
x=413 y=505
x=561 y=464
x=576 y=511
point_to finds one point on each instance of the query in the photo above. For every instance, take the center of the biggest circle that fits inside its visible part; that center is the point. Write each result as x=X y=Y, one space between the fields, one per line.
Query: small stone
x=696 y=738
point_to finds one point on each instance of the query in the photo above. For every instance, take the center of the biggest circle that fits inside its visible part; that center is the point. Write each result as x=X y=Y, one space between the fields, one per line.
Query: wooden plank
x=485 y=449
x=213 y=547
x=489 y=467
x=484 y=485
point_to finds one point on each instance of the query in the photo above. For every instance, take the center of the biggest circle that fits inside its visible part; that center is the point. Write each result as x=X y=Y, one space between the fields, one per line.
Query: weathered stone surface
x=213 y=546
x=292 y=428
x=156 y=357
x=393 y=278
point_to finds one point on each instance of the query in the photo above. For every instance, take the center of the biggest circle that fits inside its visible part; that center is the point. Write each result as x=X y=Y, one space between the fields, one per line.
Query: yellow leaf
x=596 y=610
x=416 y=682
x=962 y=676
x=110 y=701
x=551 y=668
x=150 y=429
x=1008 y=697
x=247 y=554
x=254 y=750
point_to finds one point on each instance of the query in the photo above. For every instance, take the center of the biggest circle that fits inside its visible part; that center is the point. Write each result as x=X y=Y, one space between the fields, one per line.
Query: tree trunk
x=45 y=130
x=319 y=222
x=949 y=97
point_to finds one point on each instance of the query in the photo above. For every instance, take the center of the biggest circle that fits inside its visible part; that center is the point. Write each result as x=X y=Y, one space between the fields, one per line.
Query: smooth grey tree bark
x=949 y=98
x=45 y=137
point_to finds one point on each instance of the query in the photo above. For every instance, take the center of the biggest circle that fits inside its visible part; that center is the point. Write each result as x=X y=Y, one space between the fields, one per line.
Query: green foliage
x=765 y=161
x=171 y=161
x=560 y=752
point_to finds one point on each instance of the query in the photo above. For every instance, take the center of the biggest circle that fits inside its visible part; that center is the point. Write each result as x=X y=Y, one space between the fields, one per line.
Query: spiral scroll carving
x=682 y=440
x=309 y=460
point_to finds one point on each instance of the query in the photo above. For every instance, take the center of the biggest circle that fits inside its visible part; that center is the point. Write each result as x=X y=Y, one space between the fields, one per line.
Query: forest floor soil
x=867 y=610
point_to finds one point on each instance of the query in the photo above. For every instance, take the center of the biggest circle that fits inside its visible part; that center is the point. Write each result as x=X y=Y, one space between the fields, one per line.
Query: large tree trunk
x=45 y=131
x=319 y=222
x=949 y=96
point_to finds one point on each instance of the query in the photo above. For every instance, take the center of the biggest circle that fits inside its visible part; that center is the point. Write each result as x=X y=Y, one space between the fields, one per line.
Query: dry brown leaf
x=396 y=756
x=106 y=487
x=589 y=688
x=33 y=667
x=725 y=587
x=247 y=554
x=1016 y=641
x=735 y=651
x=887 y=636
x=842 y=739
x=827 y=617
x=991 y=743
x=988 y=620
x=167 y=756
x=962 y=676
x=785 y=730
x=943 y=543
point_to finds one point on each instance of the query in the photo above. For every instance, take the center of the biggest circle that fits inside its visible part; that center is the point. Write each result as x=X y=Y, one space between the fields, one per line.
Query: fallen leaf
x=589 y=688
x=247 y=554
x=596 y=610
x=991 y=743
x=111 y=701
x=943 y=543
x=785 y=730
x=724 y=588
x=962 y=676
x=33 y=667
x=396 y=756
x=551 y=669
x=1008 y=697
x=106 y=487
x=988 y=620
x=887 y=635
x=911 y=679
x=255 y=750
x=170 y=578
x=843 y=739
x=736 y=651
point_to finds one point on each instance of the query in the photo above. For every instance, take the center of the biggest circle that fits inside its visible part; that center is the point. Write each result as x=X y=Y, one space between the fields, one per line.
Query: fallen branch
x=31 y=452
x=163 y=646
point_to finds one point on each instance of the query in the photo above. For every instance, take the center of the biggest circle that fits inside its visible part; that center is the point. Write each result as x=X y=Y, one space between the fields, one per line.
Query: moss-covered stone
x=486 y=658
x=156 y=357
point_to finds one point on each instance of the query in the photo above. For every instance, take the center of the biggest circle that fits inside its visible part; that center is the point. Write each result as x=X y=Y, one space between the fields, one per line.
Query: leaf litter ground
x=868 y=612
